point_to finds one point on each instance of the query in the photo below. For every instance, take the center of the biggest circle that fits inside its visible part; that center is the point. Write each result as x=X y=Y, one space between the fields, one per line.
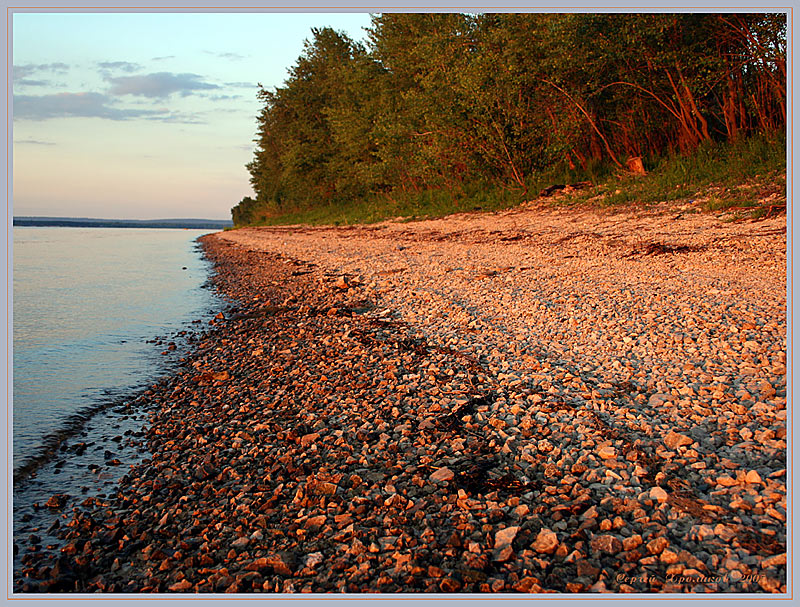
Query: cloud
x=160 y=85
x=224 y=97
x=242 y=85
x=228 y=56
x=88 y=105
x=123 y=66
x=34 y=142
x=164 y=58
x=21 y=73
x=29 y=82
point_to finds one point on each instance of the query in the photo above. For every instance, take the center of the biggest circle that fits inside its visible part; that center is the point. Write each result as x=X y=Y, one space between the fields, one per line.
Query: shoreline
x=335 y=433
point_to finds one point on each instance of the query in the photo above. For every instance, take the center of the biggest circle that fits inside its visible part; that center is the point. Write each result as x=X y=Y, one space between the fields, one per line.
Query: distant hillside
x=86 y=222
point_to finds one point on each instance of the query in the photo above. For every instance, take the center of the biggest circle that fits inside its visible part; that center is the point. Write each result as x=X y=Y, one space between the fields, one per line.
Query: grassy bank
x=748 y=177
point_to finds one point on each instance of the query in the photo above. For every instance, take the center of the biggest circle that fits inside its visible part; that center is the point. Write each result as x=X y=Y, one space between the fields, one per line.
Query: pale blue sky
x=146 y=115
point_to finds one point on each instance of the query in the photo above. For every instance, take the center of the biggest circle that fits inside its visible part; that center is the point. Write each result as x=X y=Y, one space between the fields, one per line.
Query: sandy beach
x=538 y=400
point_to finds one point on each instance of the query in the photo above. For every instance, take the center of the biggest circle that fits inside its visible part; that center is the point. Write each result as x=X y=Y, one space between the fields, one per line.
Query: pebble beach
x=537 y=400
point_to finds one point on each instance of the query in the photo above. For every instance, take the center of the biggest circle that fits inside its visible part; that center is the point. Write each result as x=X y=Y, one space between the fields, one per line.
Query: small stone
x=774 y=561
x=586 y=569
x=726 y=534
x=632 y=542
x=656 y=400
x=56 y=502
x=313 y=559
x=442 y=474
x=325 y=488
x=657 y=545
x=546 y=542
x=753 y=477
x=528 y=584
x=449 y=584
x=279 y=564
x=184 y=584
x=726 y=481
x=505 y=536
x=658 y=494
x=240 y=543
x=503 y=553
x=606 y=543
x=673 y=440
x=769 y=584
x=607 y=452
x=307 y=439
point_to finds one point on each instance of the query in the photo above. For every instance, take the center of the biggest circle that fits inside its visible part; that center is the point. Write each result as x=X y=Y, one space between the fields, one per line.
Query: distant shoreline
x=85 y=222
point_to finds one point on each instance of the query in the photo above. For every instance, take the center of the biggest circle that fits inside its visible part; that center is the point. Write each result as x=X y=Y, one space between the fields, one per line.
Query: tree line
x=437 y=100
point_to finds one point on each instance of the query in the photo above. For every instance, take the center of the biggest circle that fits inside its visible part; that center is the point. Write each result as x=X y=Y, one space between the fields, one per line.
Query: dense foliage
x=444 y=100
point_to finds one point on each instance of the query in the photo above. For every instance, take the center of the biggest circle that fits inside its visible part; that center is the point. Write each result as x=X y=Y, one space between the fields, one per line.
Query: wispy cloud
x=63 y=105
x=21 y=73
x=228 y=56
x=159 y=85
x=224 y=97
x=33 y=142
x=242 y=85
x=90 y=105
x=122 y=66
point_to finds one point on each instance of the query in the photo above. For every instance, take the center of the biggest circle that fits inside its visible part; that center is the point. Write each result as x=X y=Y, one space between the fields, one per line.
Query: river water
x=99 y=314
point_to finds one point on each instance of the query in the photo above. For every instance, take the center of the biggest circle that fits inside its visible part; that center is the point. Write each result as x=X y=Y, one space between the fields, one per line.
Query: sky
x=146 y=115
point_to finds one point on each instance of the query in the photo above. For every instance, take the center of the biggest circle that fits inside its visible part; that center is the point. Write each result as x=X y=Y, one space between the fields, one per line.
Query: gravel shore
x=536 y=400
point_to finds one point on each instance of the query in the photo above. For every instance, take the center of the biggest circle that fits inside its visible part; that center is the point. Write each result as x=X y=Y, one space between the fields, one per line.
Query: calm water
x=85 y=302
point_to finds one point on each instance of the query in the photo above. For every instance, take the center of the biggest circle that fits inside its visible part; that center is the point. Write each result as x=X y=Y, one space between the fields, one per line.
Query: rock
x=657 y=545
x=56 y=502
x=184 y=584
x=753 y=477
x=503 y=553
x=656 y=400
x=724 y=532
x=546 y=542
x=242 y=542
x=307 y=439
x=325 y=488
x=632 y=542
x=586 y=569
x=608 y=544
x=280 y=564
x=658 y=494
x=607 y=452
x=673 y=440
x=769 y=584
x=448 y=585
x=528 y=584
x=774 y=561
x=505 y=536
x=442 y=474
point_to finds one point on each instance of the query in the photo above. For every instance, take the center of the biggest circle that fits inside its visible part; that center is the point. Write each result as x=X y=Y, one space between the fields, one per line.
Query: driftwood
x=561 y=187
